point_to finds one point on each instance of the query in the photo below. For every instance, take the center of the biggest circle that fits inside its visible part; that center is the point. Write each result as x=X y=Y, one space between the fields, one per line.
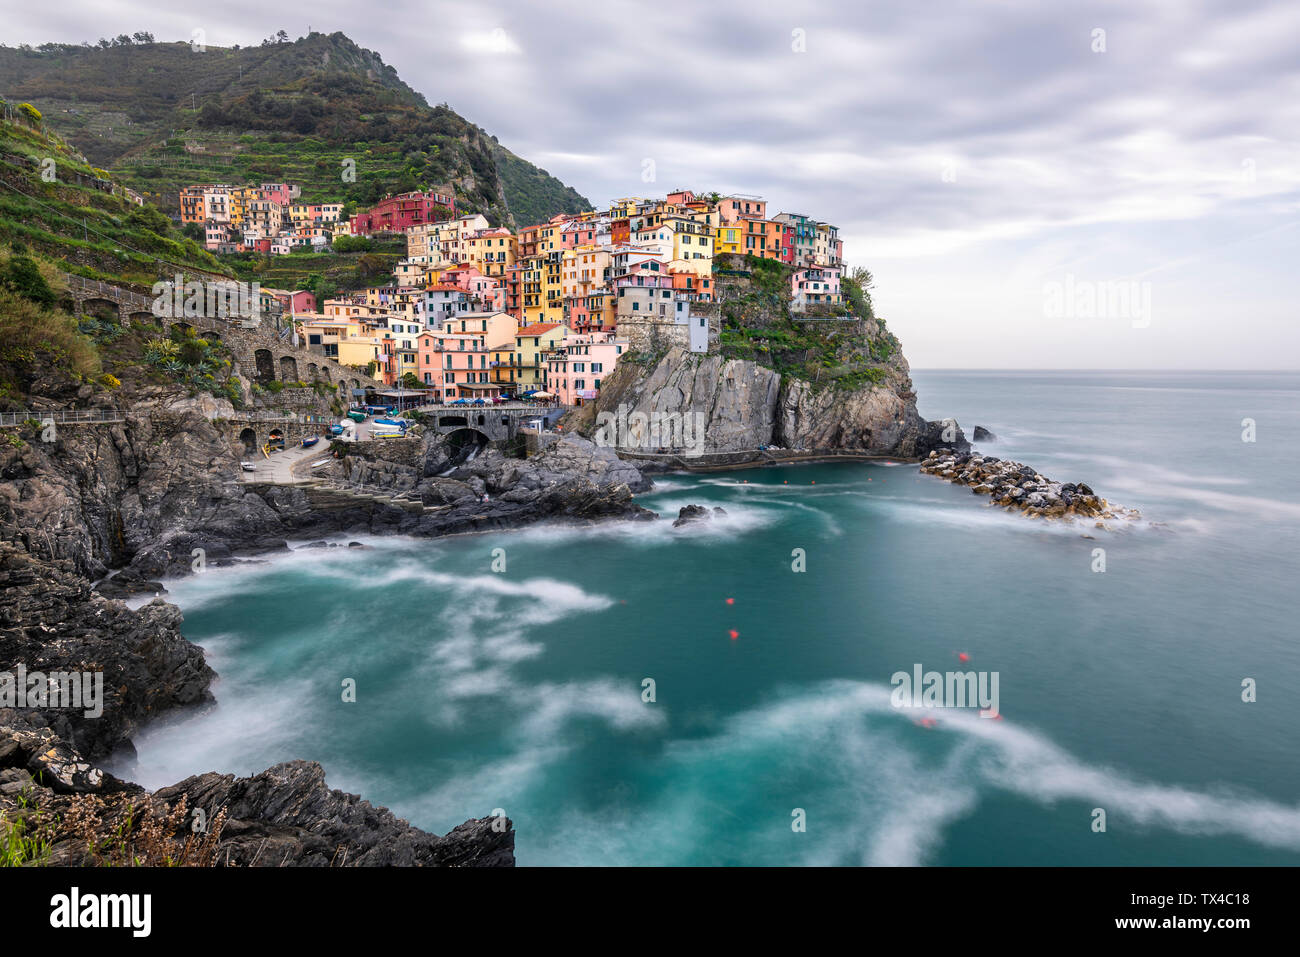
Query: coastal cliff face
x=134 y=494
x=780 y=380
x=744 y=405
x=52 y=621
x=137 y=499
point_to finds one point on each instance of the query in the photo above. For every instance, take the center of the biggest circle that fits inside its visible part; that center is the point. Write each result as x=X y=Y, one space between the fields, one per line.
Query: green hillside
x=534 y=194
x=162 y=115
x=56 y=205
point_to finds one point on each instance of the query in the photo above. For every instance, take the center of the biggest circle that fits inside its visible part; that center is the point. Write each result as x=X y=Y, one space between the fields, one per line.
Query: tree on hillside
x=856 y=289
x=22 y=276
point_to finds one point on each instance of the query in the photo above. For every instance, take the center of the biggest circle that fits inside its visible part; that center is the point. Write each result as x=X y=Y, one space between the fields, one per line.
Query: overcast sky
x=998 y=166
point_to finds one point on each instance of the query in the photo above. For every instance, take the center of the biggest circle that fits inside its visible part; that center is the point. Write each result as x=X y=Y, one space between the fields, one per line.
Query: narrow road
x=279 y=468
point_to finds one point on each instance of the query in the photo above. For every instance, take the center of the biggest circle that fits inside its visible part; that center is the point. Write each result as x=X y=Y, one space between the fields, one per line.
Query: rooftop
x=537 y=329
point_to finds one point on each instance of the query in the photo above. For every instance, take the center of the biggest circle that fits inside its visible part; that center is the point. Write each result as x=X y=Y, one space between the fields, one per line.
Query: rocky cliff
x=126 y=504
x=781 y=380
x=744 y=405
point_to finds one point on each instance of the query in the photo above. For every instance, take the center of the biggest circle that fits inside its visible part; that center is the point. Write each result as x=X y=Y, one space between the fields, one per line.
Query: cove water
x=522 y=691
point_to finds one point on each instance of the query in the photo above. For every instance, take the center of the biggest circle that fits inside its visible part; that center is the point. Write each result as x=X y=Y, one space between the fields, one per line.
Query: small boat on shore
x=309 y=442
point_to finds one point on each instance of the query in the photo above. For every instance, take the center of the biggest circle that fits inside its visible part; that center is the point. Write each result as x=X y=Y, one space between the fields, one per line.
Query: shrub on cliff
x=856 y=290
x=22 y=275
x=36 y=341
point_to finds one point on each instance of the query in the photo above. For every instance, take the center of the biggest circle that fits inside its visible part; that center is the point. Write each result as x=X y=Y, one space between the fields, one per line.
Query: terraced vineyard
x=163 y=115
x=54 y=203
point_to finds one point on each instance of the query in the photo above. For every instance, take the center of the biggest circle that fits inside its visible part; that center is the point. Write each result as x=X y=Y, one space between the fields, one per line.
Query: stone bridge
x=261 y=354
x=493 y=423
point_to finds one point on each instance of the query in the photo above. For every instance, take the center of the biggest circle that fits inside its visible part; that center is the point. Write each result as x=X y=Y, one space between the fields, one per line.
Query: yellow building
x=491 y=251
x=240 y=198
x=501 y=359
x=542 y=292
x=549 y=238
x=729 y=239
x=553 y=287
x=358 y=351
x=531 y=342
x=692 y=243
x=621 y=208
x=530 y=291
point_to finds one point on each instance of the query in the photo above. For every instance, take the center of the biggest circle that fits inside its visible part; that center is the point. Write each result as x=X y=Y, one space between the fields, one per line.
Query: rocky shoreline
x=285 y=816
x=108 y=512
x=129 y=505
x=1019 y=487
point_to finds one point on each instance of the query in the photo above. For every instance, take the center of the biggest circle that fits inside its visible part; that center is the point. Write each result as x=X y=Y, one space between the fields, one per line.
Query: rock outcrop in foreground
x=138 y=501
x=284 y=817
x=52 y=621
x=1015 y=485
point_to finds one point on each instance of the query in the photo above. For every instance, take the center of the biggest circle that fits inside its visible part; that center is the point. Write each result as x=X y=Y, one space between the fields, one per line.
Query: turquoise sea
x=522 y=690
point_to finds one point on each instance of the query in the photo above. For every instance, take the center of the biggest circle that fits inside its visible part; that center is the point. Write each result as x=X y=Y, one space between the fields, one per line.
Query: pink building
x=281 y=193
x=590 y=311
x=486 y=294
x=574 y=370
x=815 y=286
x=455 y=366
x=646 y=276
x=215 y=235
x=734 y=209
x=578 y=232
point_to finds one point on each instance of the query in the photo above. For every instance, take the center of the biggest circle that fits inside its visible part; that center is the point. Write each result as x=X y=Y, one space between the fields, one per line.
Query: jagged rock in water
x=1016 y=486
x=982 y=434
x=691 y=514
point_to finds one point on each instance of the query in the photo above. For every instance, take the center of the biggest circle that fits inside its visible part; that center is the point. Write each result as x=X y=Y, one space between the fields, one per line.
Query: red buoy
x=734 y=634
